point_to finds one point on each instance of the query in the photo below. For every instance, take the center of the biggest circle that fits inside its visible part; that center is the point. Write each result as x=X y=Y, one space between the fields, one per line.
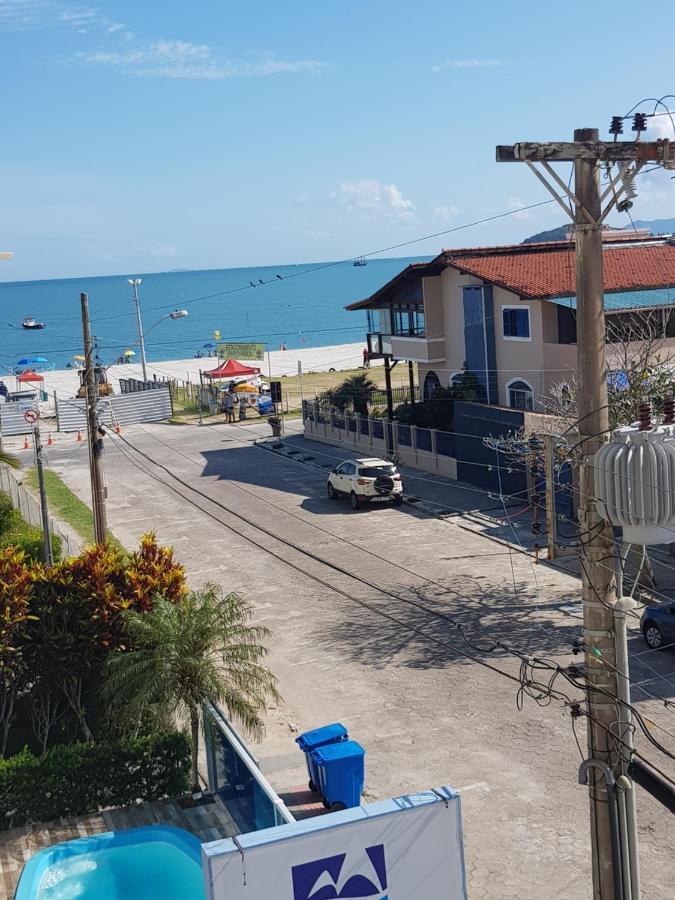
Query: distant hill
x=656 y=226
x=555 y=234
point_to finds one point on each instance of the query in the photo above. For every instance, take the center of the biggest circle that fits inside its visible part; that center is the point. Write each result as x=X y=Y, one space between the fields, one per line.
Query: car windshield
x=377 y=471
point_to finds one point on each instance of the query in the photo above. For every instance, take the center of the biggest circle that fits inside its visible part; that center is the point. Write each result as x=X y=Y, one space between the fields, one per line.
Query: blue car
x=658 y=626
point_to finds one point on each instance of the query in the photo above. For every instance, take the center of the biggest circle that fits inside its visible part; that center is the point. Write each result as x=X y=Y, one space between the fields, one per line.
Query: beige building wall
x=518 y=359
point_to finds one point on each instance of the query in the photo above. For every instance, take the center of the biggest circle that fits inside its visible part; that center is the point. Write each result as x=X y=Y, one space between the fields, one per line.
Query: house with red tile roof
x=508 y=314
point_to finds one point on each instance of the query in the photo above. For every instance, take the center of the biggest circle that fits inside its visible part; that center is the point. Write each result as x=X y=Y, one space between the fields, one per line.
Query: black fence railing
x=134 y=385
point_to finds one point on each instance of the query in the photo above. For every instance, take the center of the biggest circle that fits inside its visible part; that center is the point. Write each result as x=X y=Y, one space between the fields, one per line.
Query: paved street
x=359 y=605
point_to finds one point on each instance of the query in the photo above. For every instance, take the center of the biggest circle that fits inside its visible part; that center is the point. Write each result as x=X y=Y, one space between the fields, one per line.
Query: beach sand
x=65 y=382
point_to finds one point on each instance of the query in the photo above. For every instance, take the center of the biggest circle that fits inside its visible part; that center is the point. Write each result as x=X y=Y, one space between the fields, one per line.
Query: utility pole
x=98 y=492
x=46 y=532
x=587 y=153
x=549 y=476
x=134 y=282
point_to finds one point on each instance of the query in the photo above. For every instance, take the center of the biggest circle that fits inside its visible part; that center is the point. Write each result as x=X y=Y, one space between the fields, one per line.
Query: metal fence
x=12 y=421
x=134 y=385
x=29 y=508
x=121 y=409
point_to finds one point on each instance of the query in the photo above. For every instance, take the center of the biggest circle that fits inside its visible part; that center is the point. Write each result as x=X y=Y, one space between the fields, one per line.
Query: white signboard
x=409 y=848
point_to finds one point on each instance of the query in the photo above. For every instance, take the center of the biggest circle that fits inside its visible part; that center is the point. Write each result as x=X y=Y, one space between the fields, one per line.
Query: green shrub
x=81 y=779
x=6 y=510
x=18 y=533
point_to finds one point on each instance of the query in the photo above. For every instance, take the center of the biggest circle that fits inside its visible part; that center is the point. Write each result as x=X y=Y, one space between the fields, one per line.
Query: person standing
x=228 y=406
x=366 y=358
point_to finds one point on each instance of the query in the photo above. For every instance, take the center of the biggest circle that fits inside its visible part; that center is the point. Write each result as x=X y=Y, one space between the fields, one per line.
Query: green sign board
x=241 y=351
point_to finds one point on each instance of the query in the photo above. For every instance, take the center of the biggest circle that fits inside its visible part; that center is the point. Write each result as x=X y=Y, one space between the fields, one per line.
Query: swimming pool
x=155 y=863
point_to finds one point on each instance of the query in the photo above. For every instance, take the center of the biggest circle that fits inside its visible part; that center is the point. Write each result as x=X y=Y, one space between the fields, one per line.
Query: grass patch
x=65 y=505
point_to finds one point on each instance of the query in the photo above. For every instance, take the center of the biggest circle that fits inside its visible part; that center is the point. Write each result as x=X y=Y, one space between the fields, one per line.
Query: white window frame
x=508 y=391
x=529 y=322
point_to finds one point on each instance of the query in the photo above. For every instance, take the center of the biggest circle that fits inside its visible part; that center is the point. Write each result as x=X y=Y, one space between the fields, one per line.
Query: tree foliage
x=57 y=625
x=202 y=648
x=354 y=393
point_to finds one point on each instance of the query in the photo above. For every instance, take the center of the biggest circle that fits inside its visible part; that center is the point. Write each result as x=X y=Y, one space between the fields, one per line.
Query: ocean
x=303 y=308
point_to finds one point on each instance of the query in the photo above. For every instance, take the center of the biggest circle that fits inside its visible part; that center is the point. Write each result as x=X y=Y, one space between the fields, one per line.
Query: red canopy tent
x=231 y=369
x=29 y=375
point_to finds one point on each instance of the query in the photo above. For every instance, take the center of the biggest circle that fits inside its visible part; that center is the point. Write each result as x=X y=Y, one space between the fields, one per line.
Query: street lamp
x=175 y=314
x=134 y=282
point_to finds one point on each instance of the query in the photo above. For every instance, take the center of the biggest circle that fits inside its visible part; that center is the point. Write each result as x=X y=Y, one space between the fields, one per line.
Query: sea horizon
x=296 y=305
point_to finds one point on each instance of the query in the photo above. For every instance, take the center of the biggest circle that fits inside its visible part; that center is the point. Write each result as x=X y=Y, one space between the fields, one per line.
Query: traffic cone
x=50 y=440
x=26 y=445
x=79 y=436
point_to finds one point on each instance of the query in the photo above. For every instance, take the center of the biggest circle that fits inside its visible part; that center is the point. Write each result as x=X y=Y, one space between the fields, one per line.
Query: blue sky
x=157 y=135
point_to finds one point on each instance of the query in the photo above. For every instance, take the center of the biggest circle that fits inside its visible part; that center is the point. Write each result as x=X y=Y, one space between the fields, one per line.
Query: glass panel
x=516 y=323
x=423 y=438
x=404 y=435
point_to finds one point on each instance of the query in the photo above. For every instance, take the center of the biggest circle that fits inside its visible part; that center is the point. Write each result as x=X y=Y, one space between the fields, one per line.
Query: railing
x=29 y=509
x=235 y=776
x=423 y=448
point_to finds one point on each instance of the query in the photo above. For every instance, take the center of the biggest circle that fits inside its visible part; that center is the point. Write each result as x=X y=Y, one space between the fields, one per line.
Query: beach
x=65 y=382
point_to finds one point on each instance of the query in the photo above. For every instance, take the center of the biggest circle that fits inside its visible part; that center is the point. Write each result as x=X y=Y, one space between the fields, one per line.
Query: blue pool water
x=155 y=863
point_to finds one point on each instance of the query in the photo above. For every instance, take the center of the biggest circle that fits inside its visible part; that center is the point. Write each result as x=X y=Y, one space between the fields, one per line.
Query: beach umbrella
x=31 y=360
x=209 y=346
x=79 y=357
x=128 y=353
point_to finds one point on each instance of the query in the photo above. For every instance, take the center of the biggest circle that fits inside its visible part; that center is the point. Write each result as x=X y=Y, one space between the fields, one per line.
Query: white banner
x=409 y=848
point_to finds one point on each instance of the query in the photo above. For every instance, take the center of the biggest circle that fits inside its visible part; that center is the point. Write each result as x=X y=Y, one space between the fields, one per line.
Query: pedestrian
x=228 y=405
x=366 y=358
x=3 y=391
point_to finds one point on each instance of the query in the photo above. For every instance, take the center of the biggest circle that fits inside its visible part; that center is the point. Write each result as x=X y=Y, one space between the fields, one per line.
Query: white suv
x=366 y=481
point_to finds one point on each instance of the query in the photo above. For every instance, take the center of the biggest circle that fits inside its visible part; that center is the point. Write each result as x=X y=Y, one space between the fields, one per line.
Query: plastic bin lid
x=341 y=750
x=310 y=739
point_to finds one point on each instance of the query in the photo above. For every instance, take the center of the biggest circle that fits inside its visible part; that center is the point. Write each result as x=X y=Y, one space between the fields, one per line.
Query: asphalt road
x=363 y=608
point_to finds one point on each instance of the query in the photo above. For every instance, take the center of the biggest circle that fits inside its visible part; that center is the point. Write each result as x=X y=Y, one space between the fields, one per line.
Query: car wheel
x=652 y=635
x=331 y=492
x=313 y=788
x=354 y=500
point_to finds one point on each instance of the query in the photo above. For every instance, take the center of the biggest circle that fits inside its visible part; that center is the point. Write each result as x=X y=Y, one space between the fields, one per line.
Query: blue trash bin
x=319 y=737
x=341 y=771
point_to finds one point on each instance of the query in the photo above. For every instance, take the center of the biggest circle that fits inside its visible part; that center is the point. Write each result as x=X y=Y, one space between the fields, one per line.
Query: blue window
x=516 y=322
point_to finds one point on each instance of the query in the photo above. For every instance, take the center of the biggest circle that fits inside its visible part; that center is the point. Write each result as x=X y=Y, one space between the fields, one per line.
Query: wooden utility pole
x=44 y=511
x=98 y=491
x=549 y=476
x=598 y=585
x=587 y=152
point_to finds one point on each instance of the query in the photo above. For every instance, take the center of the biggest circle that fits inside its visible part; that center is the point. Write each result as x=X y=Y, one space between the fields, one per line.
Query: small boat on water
x=30 y=323
x=361 y=261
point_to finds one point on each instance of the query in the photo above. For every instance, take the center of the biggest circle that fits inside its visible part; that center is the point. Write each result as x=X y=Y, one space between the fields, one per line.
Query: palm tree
x=357 y=390
x=200 y=649
x=8 y=460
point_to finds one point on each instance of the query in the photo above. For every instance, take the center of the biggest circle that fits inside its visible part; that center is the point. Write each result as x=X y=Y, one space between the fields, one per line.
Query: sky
x=150 y=136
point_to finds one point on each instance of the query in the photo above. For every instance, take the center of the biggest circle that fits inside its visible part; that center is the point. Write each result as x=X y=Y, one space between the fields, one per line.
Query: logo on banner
x=322 y=879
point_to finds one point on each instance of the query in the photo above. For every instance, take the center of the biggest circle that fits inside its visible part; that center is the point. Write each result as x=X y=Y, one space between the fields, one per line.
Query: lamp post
x=134 y=282
x=175 y=314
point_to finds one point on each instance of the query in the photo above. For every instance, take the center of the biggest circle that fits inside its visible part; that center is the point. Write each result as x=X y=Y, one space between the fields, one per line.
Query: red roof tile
x=548 y=270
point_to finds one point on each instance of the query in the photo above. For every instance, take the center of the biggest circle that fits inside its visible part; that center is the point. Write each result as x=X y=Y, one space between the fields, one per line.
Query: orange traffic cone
x=50 y=440
x=26 y=445
x=79 y=435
